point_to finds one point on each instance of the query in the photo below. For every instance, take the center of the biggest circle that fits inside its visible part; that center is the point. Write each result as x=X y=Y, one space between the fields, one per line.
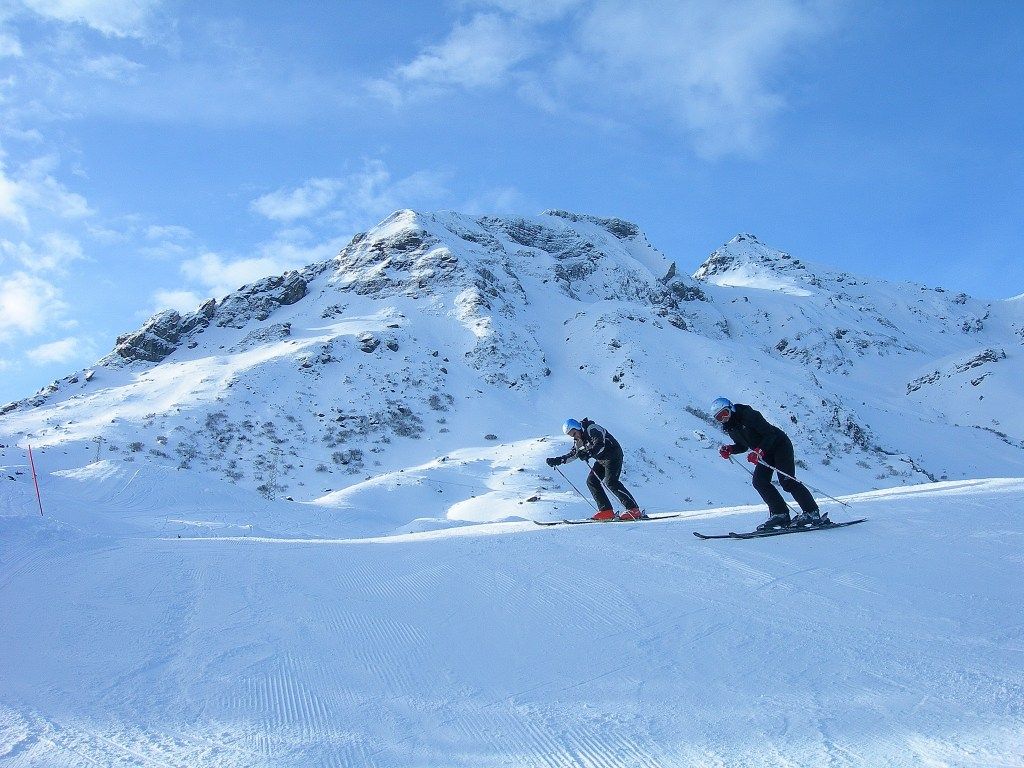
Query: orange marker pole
x=35 y=480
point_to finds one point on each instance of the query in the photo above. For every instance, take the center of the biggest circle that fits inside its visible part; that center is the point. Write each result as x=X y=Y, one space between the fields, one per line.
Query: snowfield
x=147 y=622
x=295 y=527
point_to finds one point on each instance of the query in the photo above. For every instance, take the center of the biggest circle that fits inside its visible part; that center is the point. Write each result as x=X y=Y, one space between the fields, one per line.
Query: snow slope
x=148 y=622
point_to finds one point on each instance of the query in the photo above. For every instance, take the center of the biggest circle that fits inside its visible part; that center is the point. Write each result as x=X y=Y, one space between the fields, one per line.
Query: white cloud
x=168 y=232
x=10 y=207
x=41 y=190
x=27 y=304
x=62 y=351
x=165 y=251
x=505 y=200
x=10 y=46
x=112 y=67
x=372 y=194
x=355 y=201
x=56 y=252
x=533 y=10
x=476 y=54
x=706 y=63
x=220 y=275
x=300 y=203
x=114 y=18
x=181 y=301
x=708 y=67
x=33 y=187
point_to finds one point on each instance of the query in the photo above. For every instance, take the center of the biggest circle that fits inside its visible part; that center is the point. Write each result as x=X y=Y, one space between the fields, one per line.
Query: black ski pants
x=781 y=457
x=608 y=470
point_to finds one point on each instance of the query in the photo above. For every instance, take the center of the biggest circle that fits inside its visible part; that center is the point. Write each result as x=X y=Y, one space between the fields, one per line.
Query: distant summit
x=746 y=262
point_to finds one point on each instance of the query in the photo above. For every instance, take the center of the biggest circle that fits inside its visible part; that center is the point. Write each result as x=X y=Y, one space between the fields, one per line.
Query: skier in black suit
x=767 y=444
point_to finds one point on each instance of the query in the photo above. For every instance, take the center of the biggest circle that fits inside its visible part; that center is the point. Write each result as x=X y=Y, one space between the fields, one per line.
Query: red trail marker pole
x=35 y=480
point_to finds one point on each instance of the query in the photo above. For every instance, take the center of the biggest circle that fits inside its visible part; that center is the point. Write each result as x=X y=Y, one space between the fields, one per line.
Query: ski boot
x=604 y=514
x=780 y=520
x=812 y=518
x=631 y=514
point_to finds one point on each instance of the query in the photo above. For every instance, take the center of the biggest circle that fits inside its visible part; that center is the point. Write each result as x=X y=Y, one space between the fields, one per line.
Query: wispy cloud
x=32 y=186
x=180 y=300
x=114 y=18
x=10 y=46
x=54 y=253
x=168 y=232
x=504 y=200
x=218 y=274
x=300 y=203
x=356 y=200
x=27 y=304
x=62 y=351
x=532 y=10
x=707 y=67
x=113 y=67
x=134 y=60
x=479 y=53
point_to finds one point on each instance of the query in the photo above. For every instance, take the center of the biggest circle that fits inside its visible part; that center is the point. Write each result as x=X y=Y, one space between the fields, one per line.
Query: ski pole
x=751 y=473
x=575 y=488
x=786 y=474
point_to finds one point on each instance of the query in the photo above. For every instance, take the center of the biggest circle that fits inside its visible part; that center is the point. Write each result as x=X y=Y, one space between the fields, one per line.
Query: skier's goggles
x=722 y=414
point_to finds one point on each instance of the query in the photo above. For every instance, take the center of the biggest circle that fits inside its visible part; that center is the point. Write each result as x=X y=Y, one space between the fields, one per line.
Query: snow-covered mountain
x=429 y=366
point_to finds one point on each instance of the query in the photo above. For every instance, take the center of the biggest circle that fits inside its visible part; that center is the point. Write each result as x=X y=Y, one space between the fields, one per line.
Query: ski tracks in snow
x=596 y=646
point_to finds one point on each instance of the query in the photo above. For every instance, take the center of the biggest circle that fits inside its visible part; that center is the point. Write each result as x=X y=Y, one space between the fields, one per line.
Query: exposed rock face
x=259 y=300
x=162 y=334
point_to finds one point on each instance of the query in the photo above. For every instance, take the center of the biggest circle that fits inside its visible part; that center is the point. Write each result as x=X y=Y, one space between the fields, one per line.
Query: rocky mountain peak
x=745 y=258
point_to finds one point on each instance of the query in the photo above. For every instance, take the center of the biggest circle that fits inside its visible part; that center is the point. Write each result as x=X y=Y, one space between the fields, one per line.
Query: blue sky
x=155 y=153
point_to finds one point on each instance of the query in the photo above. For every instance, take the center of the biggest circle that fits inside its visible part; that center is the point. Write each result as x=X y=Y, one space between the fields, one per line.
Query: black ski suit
x=597 y=443
x=748 y=430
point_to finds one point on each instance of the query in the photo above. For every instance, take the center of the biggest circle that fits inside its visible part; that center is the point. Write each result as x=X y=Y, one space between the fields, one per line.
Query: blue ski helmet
x=571 y=424
x=720 y=404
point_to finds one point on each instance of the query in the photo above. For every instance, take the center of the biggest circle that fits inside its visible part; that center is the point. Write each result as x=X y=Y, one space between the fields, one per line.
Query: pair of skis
x=780 y=531
x=751 y=535
x=643 y=519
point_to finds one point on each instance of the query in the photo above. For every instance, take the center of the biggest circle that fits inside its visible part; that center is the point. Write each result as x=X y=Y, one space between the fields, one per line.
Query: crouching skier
x=768 y=445
x=592 y=441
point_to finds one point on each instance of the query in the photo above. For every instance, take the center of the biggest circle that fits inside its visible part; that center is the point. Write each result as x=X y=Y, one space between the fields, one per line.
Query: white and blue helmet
x=571 y=424
x=720 y=404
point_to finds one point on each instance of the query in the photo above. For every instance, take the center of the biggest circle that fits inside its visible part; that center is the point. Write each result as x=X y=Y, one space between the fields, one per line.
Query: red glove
x=724 y=452
x=755 y=456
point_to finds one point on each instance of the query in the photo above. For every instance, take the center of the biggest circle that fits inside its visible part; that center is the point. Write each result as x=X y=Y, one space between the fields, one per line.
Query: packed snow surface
x=149 y=621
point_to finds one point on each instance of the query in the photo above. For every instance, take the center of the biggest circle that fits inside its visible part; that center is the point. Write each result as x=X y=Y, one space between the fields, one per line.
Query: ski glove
x=755 y=456
x=583 y=454
x=554 y=461
x=724 y=452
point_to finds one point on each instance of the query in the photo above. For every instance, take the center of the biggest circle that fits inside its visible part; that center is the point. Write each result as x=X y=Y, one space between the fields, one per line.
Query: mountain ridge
x=434 y=334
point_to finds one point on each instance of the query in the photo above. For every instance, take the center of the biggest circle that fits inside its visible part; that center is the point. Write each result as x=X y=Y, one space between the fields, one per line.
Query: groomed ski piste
x=150 y=623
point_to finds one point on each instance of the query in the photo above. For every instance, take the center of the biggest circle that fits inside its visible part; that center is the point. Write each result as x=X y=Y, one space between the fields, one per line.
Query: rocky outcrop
x=259 y=300
x=161 y=335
